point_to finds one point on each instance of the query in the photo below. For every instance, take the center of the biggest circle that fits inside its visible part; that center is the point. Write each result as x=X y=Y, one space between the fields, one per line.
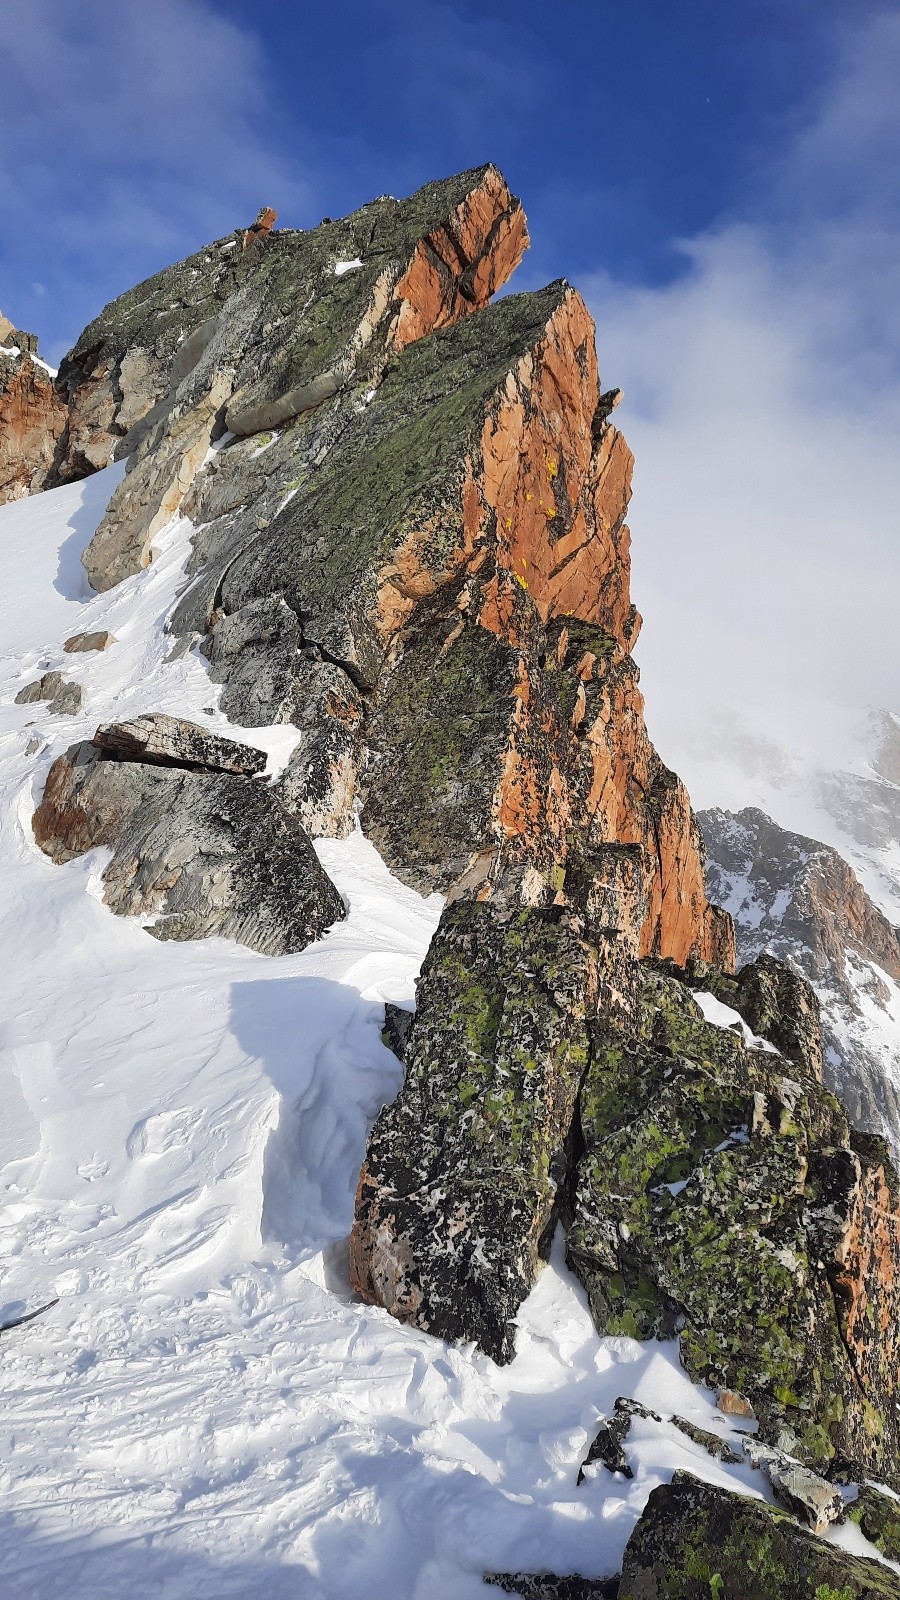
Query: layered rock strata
x=195 y=842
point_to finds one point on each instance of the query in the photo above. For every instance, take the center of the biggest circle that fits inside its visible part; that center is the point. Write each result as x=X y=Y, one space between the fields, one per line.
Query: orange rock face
x=32 y=416
x=458 y=266
x=543 y=567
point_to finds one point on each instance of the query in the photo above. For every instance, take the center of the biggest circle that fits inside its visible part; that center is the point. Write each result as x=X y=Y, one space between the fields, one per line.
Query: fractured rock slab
x=811 y=1498
x=205 y=851
x=163 y=740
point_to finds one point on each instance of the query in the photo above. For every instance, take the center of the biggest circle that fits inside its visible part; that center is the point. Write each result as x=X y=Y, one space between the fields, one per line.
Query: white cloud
x=130 y=135
x=763 y=405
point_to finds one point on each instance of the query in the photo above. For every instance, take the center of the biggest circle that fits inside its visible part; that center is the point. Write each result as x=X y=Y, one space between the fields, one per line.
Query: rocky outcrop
x=722 y=1196
x=195 y=843
x=695 y=1541
x=250 y=338
x=798 y=899
x=456 y=1200
x=32 y=416
x=877 y=1516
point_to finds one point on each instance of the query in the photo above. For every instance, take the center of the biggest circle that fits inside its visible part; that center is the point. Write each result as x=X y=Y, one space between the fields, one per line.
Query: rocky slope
x=410 y=545
x=799 y=899
x=32 y=415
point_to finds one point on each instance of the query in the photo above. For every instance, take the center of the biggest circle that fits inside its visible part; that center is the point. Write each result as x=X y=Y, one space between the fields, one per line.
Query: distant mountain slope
x=799 y=900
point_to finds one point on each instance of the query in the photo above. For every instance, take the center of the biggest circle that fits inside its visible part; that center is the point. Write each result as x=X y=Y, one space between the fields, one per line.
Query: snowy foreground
x=207 y=1411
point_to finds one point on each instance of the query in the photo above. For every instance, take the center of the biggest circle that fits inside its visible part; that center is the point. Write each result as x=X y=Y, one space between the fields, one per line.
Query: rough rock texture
x=696 y=1542
x=166 y=741
x=721 y=1195
x=32 y=416
x=225 y=336
x=205 y=851
x=878 y=1517
x=547 y=1586
x=799 y=900
x=63 y=697
x=100 y=639
x=456 y=1200
x=810 y=1497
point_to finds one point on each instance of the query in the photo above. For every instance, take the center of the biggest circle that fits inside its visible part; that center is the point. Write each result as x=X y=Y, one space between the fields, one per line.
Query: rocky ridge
x=410 y=543
x=800 y=901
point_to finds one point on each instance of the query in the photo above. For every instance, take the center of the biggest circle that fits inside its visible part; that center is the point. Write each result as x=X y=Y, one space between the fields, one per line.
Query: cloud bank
x=763 y=405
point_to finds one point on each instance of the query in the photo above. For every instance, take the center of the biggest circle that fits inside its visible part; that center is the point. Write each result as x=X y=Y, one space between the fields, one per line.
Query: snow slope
x=206 y=1411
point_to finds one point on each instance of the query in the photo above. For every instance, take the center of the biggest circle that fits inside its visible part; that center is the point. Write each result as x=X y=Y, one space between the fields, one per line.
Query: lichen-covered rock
x=696 y=1542
x=249 y=338
x=721 y=1196
x=205 y=851
x=32 y=416
x=457 y=1198
x=877 y=1515
x=547 y=1586
x=607 y=1445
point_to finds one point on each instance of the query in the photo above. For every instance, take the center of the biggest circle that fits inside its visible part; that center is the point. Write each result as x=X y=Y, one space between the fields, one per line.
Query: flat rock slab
x=695 y=1542
x=81 y=642
x=160 y=740
x=205 y=852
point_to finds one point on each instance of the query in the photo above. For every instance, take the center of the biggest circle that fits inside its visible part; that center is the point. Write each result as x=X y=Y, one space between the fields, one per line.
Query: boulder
x=457 y=1198
x=811 y=1498
x=100 y=639
x=696 y=1542
x=203 y=850
x=721 y=1196
x=877 y=1516
x=63 y=697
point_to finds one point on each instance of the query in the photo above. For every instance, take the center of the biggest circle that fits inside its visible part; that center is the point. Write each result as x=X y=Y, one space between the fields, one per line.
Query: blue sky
x=719 y=177
x=132 y=134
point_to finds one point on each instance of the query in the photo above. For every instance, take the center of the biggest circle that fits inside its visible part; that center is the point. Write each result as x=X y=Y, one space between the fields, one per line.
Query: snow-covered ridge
x=206 y=1411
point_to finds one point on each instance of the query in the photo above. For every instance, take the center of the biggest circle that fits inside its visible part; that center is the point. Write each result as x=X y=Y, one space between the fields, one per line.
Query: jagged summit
x=403 y=507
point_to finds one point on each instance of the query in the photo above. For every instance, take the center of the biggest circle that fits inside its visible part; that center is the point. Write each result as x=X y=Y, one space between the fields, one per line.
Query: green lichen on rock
x=878 y=1517
x=457 y=1198
x=694 y=1541
x=712 y=1200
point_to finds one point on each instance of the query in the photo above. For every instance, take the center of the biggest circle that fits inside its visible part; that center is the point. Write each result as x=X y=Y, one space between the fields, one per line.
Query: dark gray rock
x=457 y=1199
x=695 y=1542
x=63 y=697
x=207 y=852
x=547 y=1586
x=165 y=741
